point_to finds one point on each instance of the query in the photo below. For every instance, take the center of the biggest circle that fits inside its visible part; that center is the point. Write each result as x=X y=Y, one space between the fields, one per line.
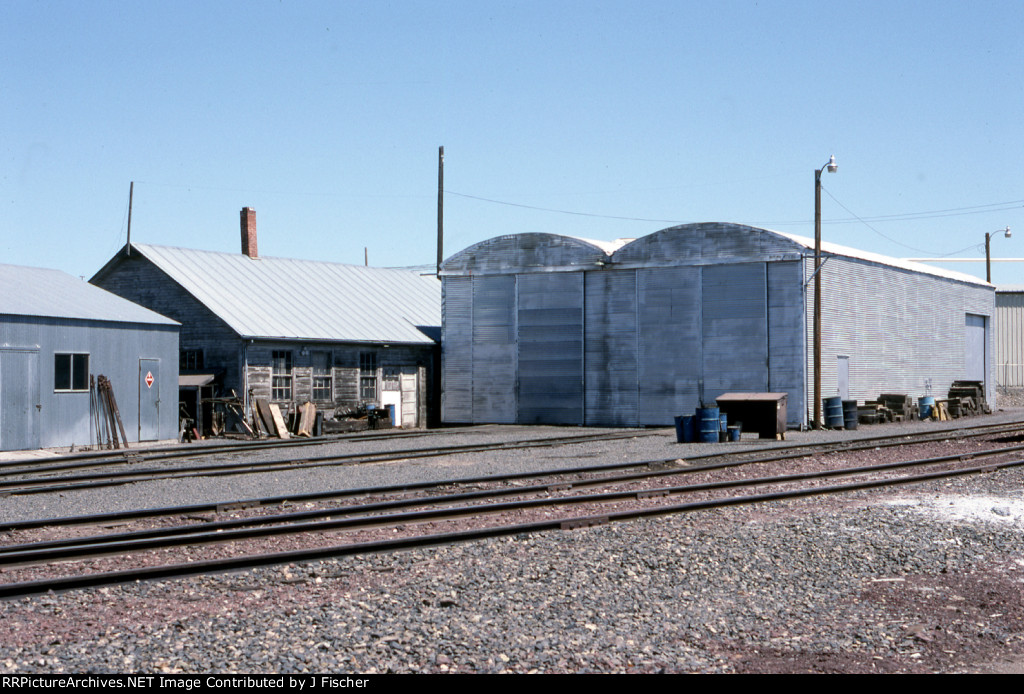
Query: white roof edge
x=837 y=249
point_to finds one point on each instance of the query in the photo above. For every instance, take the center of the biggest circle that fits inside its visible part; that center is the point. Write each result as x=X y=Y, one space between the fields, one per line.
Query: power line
x=550 y=209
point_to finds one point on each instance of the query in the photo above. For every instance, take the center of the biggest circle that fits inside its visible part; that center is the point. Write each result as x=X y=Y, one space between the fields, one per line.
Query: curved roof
x=705 y=242
x=530 y=251
x=702 y=243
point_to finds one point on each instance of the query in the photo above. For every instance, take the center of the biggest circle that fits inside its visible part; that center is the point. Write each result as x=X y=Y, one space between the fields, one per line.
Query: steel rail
x=13 y=590
x=105 y=479
x=135 y=456
x=783 y=453
x=362 y=515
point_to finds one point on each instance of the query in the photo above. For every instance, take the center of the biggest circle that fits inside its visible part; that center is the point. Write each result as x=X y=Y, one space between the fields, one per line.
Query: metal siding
x=669 y=344
x=19 y=395
x=550 y=348
x=114 y=350
x=1009 y=339
x=903 y=331
x=610 y=356
x=786 y=336
x=734 y=322
x=149 y=400
x=457 y=352
x=974 y=347
x=494 y=349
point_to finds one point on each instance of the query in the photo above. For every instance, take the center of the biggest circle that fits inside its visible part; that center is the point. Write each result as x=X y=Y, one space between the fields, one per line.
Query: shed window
x=323 y=382
x=190 y=360
x=71 y=372
x=368 y=376
x=281 y=375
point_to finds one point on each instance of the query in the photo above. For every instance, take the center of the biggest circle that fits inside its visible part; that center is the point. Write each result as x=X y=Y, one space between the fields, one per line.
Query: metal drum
x=684 y=429
x=834 y=412
x=850 y=414
x=708 y=424
x=926 y=404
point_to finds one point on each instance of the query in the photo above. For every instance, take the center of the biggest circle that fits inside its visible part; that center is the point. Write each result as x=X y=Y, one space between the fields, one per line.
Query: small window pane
x=71 y=372
x=62 y=372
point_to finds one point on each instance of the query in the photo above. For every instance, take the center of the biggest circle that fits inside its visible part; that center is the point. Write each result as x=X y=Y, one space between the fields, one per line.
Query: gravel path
x=926 y=578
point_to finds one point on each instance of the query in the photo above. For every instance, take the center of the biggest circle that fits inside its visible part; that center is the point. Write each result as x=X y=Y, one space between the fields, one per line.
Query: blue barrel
x=724 y=419
x=834 y=412
x=926 y=404
x=708 y=424
x=684 y=429
x=734 y=432
x=850 y=414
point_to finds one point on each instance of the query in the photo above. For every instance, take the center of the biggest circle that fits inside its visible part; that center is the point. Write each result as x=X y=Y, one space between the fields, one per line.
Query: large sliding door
x=550 y=347
x=735 y=329
x=611 y=344
x=669 y=342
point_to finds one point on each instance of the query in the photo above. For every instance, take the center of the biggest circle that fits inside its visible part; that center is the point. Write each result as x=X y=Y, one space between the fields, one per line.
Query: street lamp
x=988 y=256
x=832 y=167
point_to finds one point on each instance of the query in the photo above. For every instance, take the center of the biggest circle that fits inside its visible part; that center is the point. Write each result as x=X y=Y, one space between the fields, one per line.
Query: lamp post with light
x=988 y=255
x=832 y=167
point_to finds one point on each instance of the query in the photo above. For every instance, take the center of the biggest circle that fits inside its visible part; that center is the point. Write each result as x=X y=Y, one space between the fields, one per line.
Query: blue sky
x=326 y=118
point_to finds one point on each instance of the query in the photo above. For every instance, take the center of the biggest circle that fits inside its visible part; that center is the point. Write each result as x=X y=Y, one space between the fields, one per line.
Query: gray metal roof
x=32 y=291
x=306 y=299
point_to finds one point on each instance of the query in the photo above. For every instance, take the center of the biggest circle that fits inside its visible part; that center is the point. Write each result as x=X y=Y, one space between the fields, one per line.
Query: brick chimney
x=249 y=232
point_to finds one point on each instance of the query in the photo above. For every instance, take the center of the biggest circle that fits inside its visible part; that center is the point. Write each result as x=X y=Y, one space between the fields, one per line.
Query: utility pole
x=131 y=193
x=816 y=406
x=440 y=209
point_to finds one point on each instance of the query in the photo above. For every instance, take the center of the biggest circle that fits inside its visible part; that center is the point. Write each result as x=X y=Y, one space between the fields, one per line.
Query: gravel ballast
x=924 y=578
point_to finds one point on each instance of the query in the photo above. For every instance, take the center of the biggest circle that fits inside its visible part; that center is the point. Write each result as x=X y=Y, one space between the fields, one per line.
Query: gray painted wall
x=114 y=349
x=904 y=332
x=1009 y=340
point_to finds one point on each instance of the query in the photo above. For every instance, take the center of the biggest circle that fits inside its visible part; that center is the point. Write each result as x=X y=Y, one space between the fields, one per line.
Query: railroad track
x=619 y=497
x=19 y=479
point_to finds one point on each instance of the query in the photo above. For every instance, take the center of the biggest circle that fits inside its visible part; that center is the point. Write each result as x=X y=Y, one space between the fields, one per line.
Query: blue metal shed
x=57 y=334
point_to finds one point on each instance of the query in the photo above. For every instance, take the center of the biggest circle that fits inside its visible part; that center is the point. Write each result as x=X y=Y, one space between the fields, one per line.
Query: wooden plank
x=282 y=430
x=266 y=415
x=307 y=415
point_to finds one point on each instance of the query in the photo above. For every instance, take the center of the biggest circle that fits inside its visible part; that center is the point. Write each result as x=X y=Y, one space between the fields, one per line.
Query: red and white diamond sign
x=149 y=379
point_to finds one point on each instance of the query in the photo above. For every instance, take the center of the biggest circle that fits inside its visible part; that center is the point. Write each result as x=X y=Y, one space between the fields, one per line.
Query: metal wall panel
x=19 y=396
x=734 y=321
x=114 y=349
x=1009 y=339
x=550 y=348
x=669 y=343
x=149 y=400
x=494 y=349
x=610 y=329
x=903 y=331
x=786 y=343
x=457 y=355
x=974 y=345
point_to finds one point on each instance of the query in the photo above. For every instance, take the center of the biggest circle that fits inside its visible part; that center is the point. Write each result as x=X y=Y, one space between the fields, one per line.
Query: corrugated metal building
x=541 y=328
x=292 y=330
x=56 y=332
x=1010 y=336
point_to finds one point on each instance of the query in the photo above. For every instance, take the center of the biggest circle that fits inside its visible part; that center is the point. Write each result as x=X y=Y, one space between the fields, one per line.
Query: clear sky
x=326 y=117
